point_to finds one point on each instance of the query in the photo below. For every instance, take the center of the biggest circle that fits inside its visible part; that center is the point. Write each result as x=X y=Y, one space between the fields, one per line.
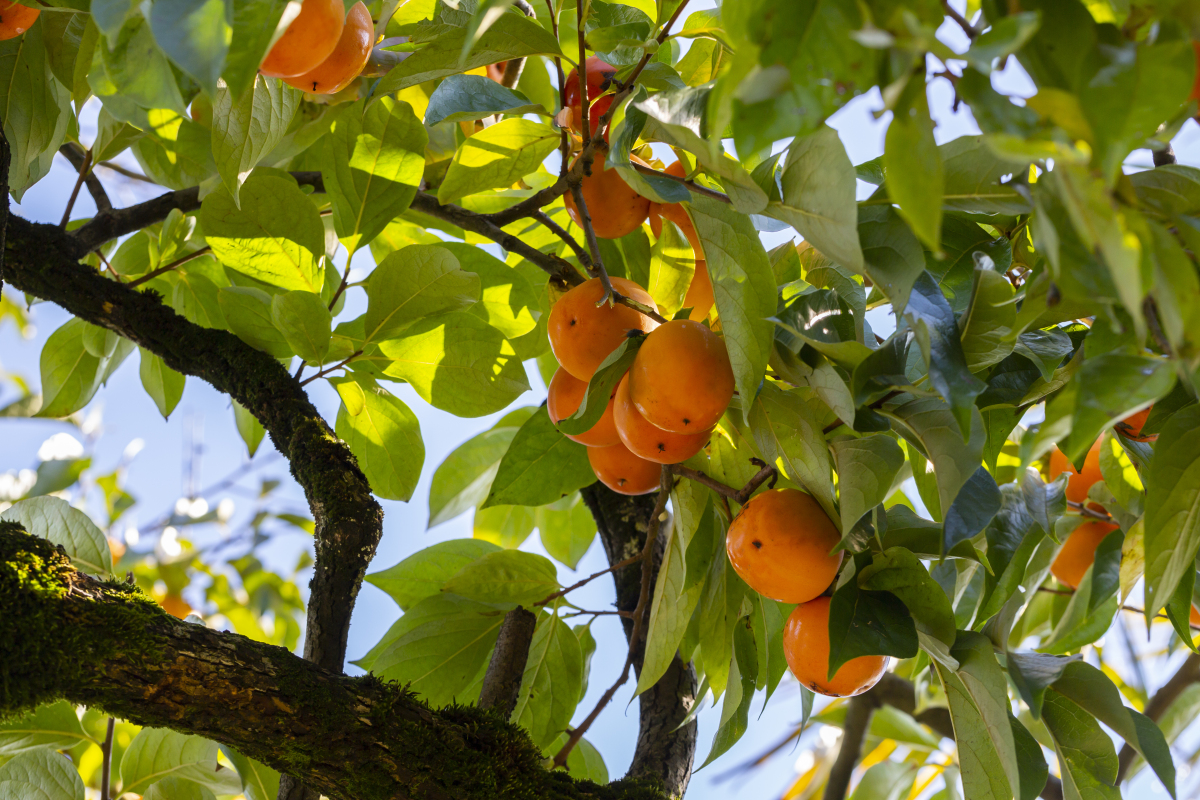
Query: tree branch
x=1188 y=674
x=665 y=751
x=502 y=681
x=42 y=262
x=108 y=646
x=5 y=161
x=82 y=162
x=859 y=711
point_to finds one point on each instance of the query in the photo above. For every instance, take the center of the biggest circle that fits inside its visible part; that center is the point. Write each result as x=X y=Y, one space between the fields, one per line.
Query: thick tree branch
x=42 y=261
x=1188 y=674
x=502 y=681
x=107 y=646
x=665 y=751
x=859 y=711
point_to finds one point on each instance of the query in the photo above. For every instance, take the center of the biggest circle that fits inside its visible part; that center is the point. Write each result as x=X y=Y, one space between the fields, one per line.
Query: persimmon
x=1079 y=482
x=308 y=40
x=1194 y=616
x=780 y=543
x=622 y=471
x=175 y=605
x=599 y=77
x=1079 y=551
x=647 y=441
x=681 y=379
x=582 y=335
x=1131 y=426
x=496 y=71
x=347 y=60
x=614 y=207
x=806 y=648
x=15 y=19
x=563 y=397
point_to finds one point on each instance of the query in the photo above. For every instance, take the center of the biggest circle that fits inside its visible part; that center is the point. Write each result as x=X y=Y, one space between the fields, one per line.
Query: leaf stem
x=336 y=366
x=106 y=764
x=179 y=262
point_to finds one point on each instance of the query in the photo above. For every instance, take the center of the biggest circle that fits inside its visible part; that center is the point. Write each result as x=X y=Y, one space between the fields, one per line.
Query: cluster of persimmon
x=323 y=49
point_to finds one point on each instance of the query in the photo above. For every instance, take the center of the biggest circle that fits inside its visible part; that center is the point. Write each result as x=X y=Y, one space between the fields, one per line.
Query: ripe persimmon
x=1194 y=616
x=1079 y=551
x=175 y=605
x=806 y=648
x=347 y=60
x=582 y=335
x=780 y=543
x=599 y=77
x=1131 y=426
x=622 y=471
x=681 y=380
x=563 y=397
x=647 y=441
x=614 y=207
x=308 y=40
x=1195 y=95
x=496 y=71
x=1079 y=482
x=15 y=19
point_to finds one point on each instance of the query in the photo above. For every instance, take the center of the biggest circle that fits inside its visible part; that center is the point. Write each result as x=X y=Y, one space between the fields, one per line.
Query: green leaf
x=163 y=384
x=509 y=297
x=990 y=317
x=892 y=256
x=1033 y=673
x=735 y=711
x=977 y=502
x=110 y=16
x=866 y=468
x=506 y=576
x=424 y=573
x=898 y=571
x=412 y=283
x=385 y=437
x=1172 y=536
x=1085 y=753
x=506 y=526
x=440 y=646
x=1109 y=385
x=158 y=753
x=1090 y=688
x=601 y=387
x=197 y=37
x=916 y=177
x=53 y=726
x=70 y=374
x=718 y=614
x=510 y=36
x=177 y=789
x=464 y=479
x=254 y=23
x=34 y=107
x=247 y=311
x=497 y=157
x=553 y=680
x=819 y=183
x=470 y=97
x=1046 y=349
x=929 y=424
x=1011 y=535
x=458 y=363
x=276 y=236
x=134 y=68
x=1006 y=36
x=259 y=782
x=979 y=736
x=566 y=533
x=866 y=623
x=744 y=288
x=248 y=427
x=54 y=519
x=304 y=320
x=672 y=266
x=541 y=466
x=788 y=434
x=41 y=775
x=372 y=162
x=246 y=128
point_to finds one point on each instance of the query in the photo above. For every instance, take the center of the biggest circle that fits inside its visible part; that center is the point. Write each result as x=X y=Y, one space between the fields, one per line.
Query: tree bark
x=108 y=646
x=665 y=751
x=502 y=681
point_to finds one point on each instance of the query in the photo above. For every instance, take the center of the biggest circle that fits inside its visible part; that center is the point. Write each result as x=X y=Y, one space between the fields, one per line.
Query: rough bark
x=664 y=751
x=41 y=260
x=108 y=646
x=502 y=681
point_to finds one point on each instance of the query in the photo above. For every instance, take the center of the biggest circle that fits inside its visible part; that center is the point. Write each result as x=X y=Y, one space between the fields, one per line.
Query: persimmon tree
x=1010 y=319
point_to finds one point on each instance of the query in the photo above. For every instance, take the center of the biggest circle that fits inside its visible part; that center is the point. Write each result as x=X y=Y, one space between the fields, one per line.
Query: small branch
x=341 y=286
x=179 y=262
x=84 y=166
x=639 y=617
x=1141 y=612
x=596 y=268
x=740 y=496
x=5 y=160
x=1150 y=309
x=1163 y=157
x=560 y=232
x=690 y=184
x=854 y=735
x=128 y=173
x=1085 y=511
x=106 y=764
x=1188 y=674
x=590 y=578
x=502 y=681
x=328 y=370
x=970 y=30
x=514 y=67
x=77 y=156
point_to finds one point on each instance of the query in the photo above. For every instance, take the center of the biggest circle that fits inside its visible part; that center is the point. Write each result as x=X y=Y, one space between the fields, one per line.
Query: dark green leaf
x=540 y=466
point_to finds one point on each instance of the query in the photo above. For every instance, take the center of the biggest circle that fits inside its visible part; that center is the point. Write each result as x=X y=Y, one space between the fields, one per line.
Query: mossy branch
x=106 y=645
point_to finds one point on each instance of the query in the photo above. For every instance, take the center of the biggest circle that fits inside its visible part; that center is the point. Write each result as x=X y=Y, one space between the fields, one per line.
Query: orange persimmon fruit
x=1079 y=551
x=806 y=648
x=622 y=471
x=347 y=60
x=615 y=208
x=308 y=40
x=563 y=397
x=681 y=379
x=582 y=335
x=1079 y=482
x=650 y=442
x=15 y=19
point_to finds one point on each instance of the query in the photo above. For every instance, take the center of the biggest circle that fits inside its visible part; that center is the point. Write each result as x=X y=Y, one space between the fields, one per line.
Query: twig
x=106 y=764
x=341 y=286
x=1131 y=609
x=179 y=262
x=1150 y=310
x=128 y=173
x=740 y=496
x=639 y=617
x=1188 y=674
x=76 y=154
x=83 y=171
x=584 y=100
x=1084 y=511
x=564 y=146
x=690 y=184
x=560 y=232
x=590 y=578
x=336 y=366
x=854 y=735
x=108 y=266
x=970 y=30
x=596 y=268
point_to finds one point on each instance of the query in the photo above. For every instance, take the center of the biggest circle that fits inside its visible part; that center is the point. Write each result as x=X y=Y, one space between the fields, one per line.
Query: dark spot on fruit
x=662 y=448
x=687 y=421
x=757 y=544
x=573 y=321
x=620 y=481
